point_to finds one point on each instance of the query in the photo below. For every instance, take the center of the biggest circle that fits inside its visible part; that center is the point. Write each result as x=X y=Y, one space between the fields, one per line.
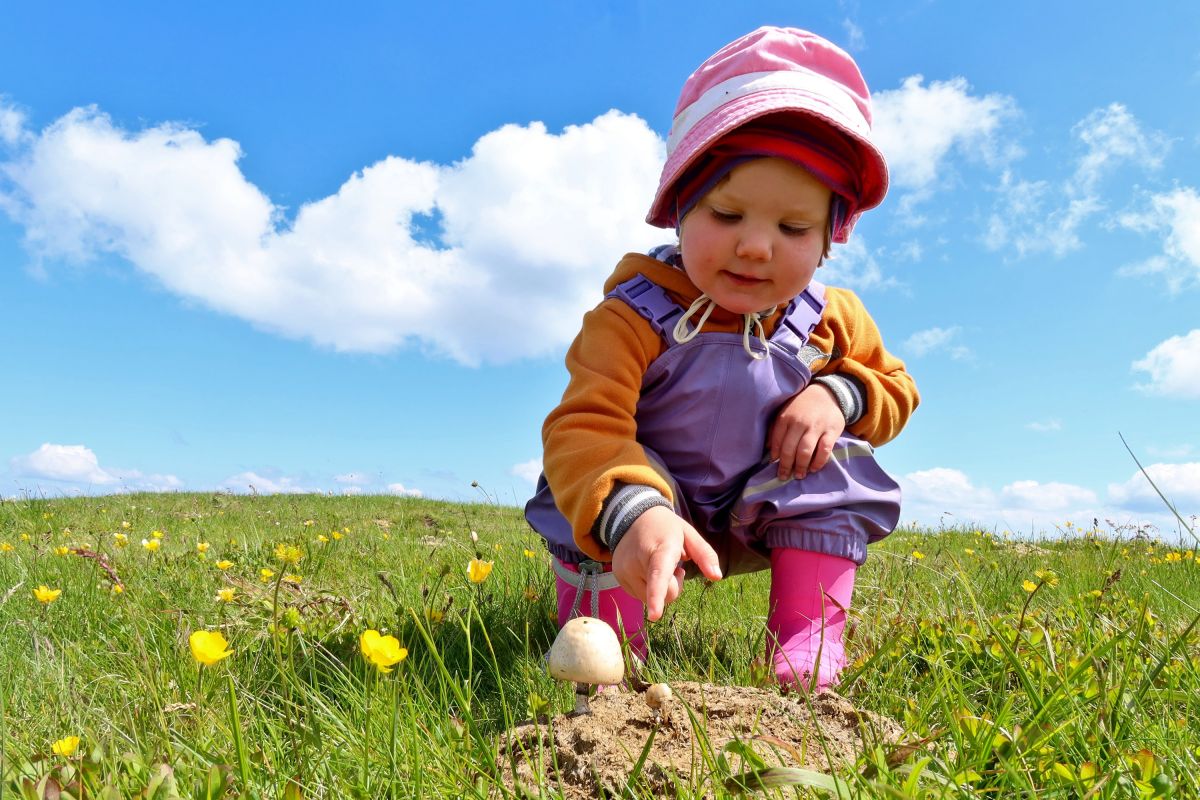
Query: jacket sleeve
x=590 y=439
x=847 y=332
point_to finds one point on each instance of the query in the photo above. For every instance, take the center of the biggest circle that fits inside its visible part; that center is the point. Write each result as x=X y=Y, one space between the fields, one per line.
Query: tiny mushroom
x=586 y=651
x=658 y=696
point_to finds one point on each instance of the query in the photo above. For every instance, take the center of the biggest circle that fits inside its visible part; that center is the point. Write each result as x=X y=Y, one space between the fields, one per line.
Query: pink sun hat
x=768 y=71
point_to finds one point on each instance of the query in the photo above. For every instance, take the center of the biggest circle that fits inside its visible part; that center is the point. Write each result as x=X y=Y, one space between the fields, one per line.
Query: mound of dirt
x=589 y=755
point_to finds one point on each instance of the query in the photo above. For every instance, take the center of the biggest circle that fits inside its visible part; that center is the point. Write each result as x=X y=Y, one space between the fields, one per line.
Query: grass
x=1066 y=668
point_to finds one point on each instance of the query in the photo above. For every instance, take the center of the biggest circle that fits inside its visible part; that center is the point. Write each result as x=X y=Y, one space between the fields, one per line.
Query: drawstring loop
x=683 y=334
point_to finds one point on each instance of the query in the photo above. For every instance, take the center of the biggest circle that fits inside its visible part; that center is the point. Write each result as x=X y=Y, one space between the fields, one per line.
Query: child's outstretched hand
x=804 y=432
x=646 y=561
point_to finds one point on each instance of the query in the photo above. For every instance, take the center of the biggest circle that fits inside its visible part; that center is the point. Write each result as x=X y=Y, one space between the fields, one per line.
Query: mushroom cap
x=586 y=650
x=658 y=694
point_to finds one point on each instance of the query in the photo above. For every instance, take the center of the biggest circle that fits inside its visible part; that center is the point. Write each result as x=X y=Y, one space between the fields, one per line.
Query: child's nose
x=754 y=245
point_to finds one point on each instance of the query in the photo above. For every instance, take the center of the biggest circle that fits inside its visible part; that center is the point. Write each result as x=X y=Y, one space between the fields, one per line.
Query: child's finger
x=701 y=553
x=659 y=572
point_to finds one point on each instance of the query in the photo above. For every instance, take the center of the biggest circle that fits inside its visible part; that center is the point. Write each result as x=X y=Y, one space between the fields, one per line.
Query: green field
x=1060 y=668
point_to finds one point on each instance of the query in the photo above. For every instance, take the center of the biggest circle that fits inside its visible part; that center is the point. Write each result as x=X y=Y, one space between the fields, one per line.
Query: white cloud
x=853 y=266
x=944 y=490
x=855 y=40
x=352 y=490
x=399 y=489
x=947 y=496
x=529 y=223
x=1179 y=482
x=79 y=465
x=12 y=123
x=1045 y=426
x=1174 y=367
x=252 y=482
x=917 y=151
x=529 y=470
x=71 y=463
x=1178 y=214
x=934 y=340
x=1053 y=497
x=1038 y=216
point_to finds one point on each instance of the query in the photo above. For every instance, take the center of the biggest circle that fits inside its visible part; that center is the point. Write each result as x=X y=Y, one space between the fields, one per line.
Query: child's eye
x=794 y=230
x=725 y=216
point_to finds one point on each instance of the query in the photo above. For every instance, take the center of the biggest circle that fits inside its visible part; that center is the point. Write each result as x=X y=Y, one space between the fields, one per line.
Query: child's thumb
x=701 y=553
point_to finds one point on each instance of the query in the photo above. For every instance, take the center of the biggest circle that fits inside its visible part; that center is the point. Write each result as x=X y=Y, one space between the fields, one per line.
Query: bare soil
x=591 y=755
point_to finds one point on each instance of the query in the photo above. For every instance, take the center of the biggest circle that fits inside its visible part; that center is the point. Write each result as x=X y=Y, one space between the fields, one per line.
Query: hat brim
x=739 y=111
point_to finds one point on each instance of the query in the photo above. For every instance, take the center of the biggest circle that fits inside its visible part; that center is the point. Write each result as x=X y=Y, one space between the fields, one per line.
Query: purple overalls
x=703 y=417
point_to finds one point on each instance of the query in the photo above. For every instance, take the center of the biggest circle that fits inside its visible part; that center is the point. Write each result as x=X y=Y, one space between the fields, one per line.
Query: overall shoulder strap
x=651 y=302
x=806 y=311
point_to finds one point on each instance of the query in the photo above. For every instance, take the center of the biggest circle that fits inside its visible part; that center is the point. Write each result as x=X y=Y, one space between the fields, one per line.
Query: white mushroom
x=586 y=651
x=658 y=695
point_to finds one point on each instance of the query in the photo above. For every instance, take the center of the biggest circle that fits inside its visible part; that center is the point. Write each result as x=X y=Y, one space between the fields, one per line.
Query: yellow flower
x=497 y=547
x=45 y=595
x=435 y=615
x=382 y=651
x=24 y=537
x=1046 y=576
x=125 y=524
x=117 y=588
x=62 y=550
x=224 y=563
x=5 y=547
x=969 y=551
x=156 y=534
x=65 y=746
x=288 y=553
x=477 y=570
x=308 y=523
x=1029 y=586
x=202 y=547
x=918 y=555
x=322 y=538
x=265 y=574
x=151 y=544
x=530 y=554
x=293 y=579
x=209 y=647
x=120 y=539
x=336 y=535
x=226 y=595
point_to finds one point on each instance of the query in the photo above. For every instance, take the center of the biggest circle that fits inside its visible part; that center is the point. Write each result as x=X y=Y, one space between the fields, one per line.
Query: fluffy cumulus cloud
x=76 y=466
x=1175 y=215
x=489 y=259
x=528 y=471
x=937 y=340
x=967 y=125
x=401 y=490
x=1180 y=483
x=1173 y=367
x=947 y=496
x=251 y=482
x=1037 y=216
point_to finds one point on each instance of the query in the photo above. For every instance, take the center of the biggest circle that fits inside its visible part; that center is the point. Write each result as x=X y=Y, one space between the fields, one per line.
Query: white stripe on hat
x=822 y=90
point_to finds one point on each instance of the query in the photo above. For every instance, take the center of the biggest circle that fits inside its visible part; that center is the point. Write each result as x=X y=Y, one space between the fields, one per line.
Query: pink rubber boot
x=810 y=596
x=623 y=612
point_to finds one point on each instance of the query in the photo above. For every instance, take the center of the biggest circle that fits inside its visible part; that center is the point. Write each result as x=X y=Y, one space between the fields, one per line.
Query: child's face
x=755 y=240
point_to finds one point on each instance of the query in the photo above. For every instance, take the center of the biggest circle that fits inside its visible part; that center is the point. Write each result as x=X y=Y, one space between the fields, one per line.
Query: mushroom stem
x=581 y=698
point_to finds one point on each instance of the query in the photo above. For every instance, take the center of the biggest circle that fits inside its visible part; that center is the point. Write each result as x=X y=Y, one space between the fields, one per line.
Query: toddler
x=722 y=405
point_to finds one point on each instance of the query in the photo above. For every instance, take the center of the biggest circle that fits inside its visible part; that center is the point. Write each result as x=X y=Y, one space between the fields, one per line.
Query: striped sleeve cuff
x=848 y=395
x=622 y=509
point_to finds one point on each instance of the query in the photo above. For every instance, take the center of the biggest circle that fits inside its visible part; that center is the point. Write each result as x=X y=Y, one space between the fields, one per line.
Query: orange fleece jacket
x=590 y=438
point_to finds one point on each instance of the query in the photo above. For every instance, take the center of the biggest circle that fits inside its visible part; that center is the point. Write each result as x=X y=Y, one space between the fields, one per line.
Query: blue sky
x=298 y=248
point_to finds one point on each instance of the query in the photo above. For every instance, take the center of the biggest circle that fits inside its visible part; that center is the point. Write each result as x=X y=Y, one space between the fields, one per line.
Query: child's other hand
x=804 y=432
x=646 y=561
